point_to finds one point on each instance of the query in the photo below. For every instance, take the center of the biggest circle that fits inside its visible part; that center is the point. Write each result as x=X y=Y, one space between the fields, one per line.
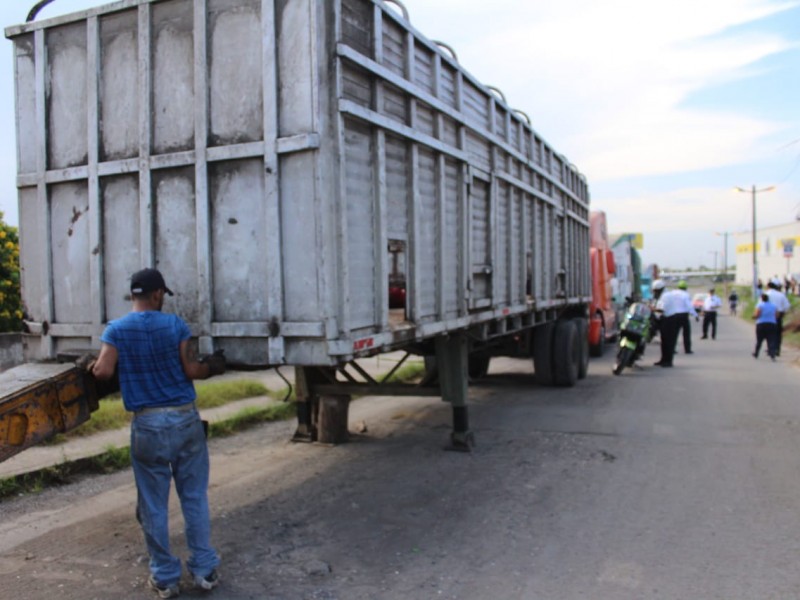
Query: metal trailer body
x=283 y=161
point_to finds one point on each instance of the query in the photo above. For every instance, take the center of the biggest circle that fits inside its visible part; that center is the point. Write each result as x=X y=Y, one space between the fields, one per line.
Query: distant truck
x=603 y=314
x=317 y=181
x=628 y=272
x=649 y=275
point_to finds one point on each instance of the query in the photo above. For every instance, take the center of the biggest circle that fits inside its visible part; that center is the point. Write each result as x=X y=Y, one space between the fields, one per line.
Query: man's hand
x=86 y=361
x=215 y=362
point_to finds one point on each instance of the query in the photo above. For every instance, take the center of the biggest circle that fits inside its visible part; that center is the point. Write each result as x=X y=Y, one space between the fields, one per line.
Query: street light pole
x=724 y=260
x=754 y=191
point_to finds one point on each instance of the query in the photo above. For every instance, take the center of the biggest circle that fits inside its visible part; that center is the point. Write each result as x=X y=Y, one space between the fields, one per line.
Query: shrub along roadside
x=10 y=302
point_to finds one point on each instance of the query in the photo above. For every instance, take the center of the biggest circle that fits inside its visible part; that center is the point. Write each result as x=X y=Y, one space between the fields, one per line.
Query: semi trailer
x=317 y=181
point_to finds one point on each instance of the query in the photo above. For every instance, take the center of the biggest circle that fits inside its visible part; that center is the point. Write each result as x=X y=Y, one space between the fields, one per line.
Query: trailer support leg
x=320 y=417
x=305 y=426
x=307 y=403
x=453 y=365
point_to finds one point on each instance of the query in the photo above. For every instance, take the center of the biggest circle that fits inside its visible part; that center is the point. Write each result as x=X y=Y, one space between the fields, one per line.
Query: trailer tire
x=566 y=354
x=478 y=365
x=543 y=353
x=583 y=341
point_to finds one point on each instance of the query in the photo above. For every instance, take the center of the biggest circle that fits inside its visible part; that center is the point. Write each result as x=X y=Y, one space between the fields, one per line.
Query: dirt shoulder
x=297 y=521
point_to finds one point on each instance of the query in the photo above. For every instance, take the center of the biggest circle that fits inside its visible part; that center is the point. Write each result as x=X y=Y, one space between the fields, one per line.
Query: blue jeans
x=165 y=446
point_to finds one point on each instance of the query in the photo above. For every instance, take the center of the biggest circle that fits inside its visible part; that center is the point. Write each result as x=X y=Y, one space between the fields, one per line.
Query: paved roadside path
x=41 y=457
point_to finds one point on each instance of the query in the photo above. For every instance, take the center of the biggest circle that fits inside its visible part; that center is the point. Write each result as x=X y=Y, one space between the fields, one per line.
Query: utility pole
x=724 y=260
x=754 y=191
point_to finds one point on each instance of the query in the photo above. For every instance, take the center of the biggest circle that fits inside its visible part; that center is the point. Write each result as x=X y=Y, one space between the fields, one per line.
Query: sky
x=665 y=107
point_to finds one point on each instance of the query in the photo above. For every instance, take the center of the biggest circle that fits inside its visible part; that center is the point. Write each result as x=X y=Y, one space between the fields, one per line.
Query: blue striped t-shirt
x=149 y=366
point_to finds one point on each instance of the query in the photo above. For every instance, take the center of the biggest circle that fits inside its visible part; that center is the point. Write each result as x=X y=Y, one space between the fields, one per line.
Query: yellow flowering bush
x=10 y=300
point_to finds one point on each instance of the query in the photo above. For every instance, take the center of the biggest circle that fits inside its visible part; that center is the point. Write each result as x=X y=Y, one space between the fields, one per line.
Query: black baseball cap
x=148 y=280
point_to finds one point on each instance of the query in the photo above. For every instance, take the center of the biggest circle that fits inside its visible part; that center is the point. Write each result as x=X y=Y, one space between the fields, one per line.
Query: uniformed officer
x=711 y=305
x=778 y=298
x=684 y=311
x=667 y=303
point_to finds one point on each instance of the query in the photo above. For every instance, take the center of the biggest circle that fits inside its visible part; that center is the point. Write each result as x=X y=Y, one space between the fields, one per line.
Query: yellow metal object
x=40 y=401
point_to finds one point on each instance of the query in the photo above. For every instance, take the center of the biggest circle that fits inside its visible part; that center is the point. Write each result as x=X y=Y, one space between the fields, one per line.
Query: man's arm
x=106 y=362
x=194 y=369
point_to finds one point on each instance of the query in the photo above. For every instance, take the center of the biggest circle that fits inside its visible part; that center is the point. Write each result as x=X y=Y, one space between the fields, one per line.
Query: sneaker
x=209 y=582
x=163 y=591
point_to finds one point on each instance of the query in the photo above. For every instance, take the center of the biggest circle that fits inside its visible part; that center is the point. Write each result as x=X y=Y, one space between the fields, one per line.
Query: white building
x=777 y=253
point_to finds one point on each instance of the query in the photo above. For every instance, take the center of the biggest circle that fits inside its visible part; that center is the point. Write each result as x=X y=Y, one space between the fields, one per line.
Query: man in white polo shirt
x=777 y=297
x=711 y=305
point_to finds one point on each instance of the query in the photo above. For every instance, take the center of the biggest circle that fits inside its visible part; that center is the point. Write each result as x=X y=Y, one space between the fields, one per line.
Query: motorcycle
x=636 y=331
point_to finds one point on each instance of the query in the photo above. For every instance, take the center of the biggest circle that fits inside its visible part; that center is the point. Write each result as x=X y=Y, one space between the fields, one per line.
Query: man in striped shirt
x=152 y=353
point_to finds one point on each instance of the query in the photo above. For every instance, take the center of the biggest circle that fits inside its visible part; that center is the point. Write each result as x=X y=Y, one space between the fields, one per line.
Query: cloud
x=609 y=82
x=697 y=209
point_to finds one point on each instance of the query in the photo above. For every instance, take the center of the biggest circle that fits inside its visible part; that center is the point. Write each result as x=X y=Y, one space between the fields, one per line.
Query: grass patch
x=408 y=372
x=112 y=460
x=112 y=413
x=115 y=459
x=218 y=393
x=251 y=416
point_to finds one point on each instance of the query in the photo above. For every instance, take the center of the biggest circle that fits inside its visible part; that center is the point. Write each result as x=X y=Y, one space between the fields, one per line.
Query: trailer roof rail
x=36 y=8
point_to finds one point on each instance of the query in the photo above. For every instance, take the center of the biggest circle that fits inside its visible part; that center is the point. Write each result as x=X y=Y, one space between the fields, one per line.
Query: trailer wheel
x=566 y=354
x=583 y=341
x=478 y=365
x=543 y=353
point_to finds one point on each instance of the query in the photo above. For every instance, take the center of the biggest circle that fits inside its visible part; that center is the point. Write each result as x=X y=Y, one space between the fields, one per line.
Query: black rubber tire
x=542 y=352
x=478 y=366
x=582 y=326
x=566 y=354
x=597 y=350
x=623 y=358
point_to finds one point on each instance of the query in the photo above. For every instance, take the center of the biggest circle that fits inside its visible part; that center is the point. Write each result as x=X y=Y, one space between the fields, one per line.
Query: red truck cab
x=603 y=322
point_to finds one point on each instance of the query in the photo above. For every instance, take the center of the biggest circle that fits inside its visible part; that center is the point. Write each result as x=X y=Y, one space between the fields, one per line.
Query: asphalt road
x=658 y=484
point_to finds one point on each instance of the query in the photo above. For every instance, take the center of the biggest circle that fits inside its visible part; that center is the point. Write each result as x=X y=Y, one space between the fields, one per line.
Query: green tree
x=10 y=300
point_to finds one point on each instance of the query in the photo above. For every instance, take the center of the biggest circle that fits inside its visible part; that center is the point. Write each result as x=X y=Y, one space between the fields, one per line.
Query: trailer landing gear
x=452 y=359
x=323 y=400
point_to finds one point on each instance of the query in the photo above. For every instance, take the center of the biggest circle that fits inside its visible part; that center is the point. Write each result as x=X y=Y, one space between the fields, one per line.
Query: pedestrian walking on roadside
x=778 y=298
x=765 y=317
x=152 y=353
x=711 y=305
x=733 y=302
x=667 y=304
x=685 y=310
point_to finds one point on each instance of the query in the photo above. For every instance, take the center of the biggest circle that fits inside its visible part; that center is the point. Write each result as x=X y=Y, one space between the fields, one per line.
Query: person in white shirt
x=782 y=305
x=667 y=303
x=685 y=310
x=711 y=305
